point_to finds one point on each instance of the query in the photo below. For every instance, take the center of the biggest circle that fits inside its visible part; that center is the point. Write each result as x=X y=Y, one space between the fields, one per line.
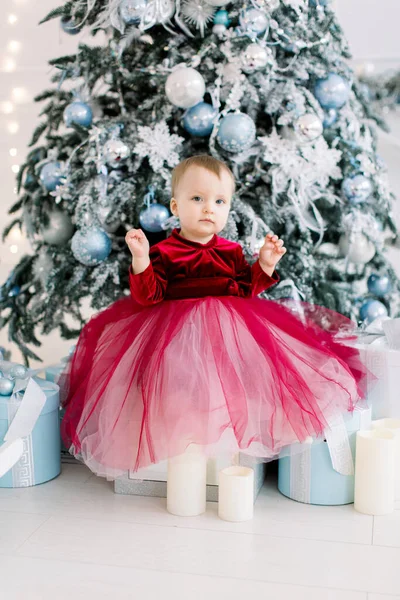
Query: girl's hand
x=271 y=252
x=137 y=243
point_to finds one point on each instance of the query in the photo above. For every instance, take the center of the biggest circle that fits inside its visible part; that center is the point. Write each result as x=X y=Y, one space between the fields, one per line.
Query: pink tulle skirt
x=144 y=383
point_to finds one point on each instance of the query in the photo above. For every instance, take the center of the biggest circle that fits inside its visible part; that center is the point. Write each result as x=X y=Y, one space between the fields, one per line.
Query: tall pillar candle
x=236 y=494
x=374 y=476
x=394 y=426
x=186 y=483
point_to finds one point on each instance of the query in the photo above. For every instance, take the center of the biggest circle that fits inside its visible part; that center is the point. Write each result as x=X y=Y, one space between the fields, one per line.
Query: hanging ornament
x=59 y=228
x=78 y=113
x=221 y=17
x=255 y=57
x=332 y=92
x=153 y=217
x=51 y=175
x=236 y=132
x=330 y=117
x=308 y=127
x=131 y=11
x=218 y=2
x=199 y=120
x=115 y=152
x=15 y=291
x=18 y=372
x=360 y=250
x=253 y=21
x=6 y=386
x=357 y=189
x=185 y=87
x=198 y=13
x=371 y=310
x=379 y=285
x=68 y=25
x=91 y=246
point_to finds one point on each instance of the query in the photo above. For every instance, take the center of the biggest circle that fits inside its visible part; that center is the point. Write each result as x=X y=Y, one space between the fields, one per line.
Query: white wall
x=371 y=26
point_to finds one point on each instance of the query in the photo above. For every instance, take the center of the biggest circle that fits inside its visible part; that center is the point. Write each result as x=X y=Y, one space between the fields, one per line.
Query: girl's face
x=202 y=202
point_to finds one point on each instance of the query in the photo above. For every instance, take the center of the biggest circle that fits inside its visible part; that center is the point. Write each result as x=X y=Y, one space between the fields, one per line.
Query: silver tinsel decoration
x=198 y=13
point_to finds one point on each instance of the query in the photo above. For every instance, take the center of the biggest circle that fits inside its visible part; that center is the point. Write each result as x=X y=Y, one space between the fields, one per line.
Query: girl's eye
x=220 y=201
x=196 y=198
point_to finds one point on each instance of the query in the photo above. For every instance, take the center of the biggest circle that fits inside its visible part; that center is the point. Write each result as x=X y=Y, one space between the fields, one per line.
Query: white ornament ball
x=185 y=87
x=59 y=228
x=308 y=127
x=253 y=21
x=219 y=29
x=360 y=251
x=255 y=57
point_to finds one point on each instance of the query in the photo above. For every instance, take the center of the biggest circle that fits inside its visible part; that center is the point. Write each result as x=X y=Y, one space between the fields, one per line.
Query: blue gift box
x=41 y=460
x=309 y=476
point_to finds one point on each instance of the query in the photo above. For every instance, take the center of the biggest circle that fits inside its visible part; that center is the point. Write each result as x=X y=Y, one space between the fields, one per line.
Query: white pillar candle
x=186 y=483
x=236 y=494
x=394 y=426
x=374 y=476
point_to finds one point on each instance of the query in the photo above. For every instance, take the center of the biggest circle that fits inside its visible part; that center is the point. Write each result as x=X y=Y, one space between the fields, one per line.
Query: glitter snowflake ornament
x=158 y=145
x=198 y=13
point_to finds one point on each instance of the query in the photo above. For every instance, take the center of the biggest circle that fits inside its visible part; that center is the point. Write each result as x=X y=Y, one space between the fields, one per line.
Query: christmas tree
x=263 y=85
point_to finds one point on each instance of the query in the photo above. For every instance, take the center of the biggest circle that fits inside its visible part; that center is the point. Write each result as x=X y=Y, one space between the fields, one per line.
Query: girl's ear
x=173 y=205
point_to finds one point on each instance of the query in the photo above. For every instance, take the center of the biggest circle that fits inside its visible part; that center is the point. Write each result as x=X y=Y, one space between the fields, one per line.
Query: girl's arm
x=148 y=287
x=252 y=280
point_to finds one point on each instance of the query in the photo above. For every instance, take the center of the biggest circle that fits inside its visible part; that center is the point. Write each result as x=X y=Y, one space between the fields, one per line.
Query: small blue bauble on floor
x=51 y=175
x=330 y=117
x=236 y=132
x=78 y=113
x=379 y=285
x=371 y=310
x=253 y=21
x=6 y=386
x=357 y=189
x=91 y=246
x=221 y=17
x=198 y=120
x=332 y=92
x=153 y=217
x=69 y=26
x=131 y=11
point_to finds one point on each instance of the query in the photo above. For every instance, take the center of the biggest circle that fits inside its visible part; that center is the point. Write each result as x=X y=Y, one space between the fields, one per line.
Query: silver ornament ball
x=308 y=127
x=59 y=228
x=131 y=11
x=115 y=153
x=6 y=386
x=253 y=21
x=359 y=251
x=255 y=57
x=91 y=246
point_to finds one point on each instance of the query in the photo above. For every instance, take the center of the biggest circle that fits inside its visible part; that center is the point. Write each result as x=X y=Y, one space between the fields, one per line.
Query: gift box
x=308 y=474
x=152 y=481
x=40 y=460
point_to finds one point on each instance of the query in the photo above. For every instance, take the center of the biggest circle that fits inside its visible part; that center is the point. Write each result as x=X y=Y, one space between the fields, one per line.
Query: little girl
x=194 y=354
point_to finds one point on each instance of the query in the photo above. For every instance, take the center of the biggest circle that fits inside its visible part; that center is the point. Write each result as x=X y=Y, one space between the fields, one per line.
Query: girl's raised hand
x=137 y=243
x=272 y=251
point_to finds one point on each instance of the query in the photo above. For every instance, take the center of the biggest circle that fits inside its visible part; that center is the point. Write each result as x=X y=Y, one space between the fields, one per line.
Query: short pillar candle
x=236 y=494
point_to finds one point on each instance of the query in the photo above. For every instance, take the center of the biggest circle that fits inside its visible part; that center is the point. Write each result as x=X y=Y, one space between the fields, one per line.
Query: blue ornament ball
x=131 y=11
x=6 y=386
x=236 y=132
x=357 y=188
x=153 y=217
x=253 y=21
x=379 y=285
x=51 y=175
x=68 y=25
x=221 y=17
x=332 y=92
x=198 y=120
x=91 y=246
x=15 y=291
x=371 y=310
x=78 y=113
x=330 y=117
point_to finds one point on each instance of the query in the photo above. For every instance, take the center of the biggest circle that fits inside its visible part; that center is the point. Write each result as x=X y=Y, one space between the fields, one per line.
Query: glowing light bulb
x=9 y=65
x=13 y=248
x=13 y=152
x=6 y=107
x=13 y=127
x=14 y=46
x=20 y=95
x=15 y=168
x=12 y=19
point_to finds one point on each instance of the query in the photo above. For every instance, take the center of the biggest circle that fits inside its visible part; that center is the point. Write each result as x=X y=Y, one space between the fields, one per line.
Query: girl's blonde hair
x=201 y=160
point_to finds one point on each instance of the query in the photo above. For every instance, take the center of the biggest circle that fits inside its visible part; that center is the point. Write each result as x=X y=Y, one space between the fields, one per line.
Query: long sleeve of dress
x=252 y=280
x=149 y=287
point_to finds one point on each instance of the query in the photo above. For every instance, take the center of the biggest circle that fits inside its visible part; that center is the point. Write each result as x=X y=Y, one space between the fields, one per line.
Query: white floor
x=73 y=538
